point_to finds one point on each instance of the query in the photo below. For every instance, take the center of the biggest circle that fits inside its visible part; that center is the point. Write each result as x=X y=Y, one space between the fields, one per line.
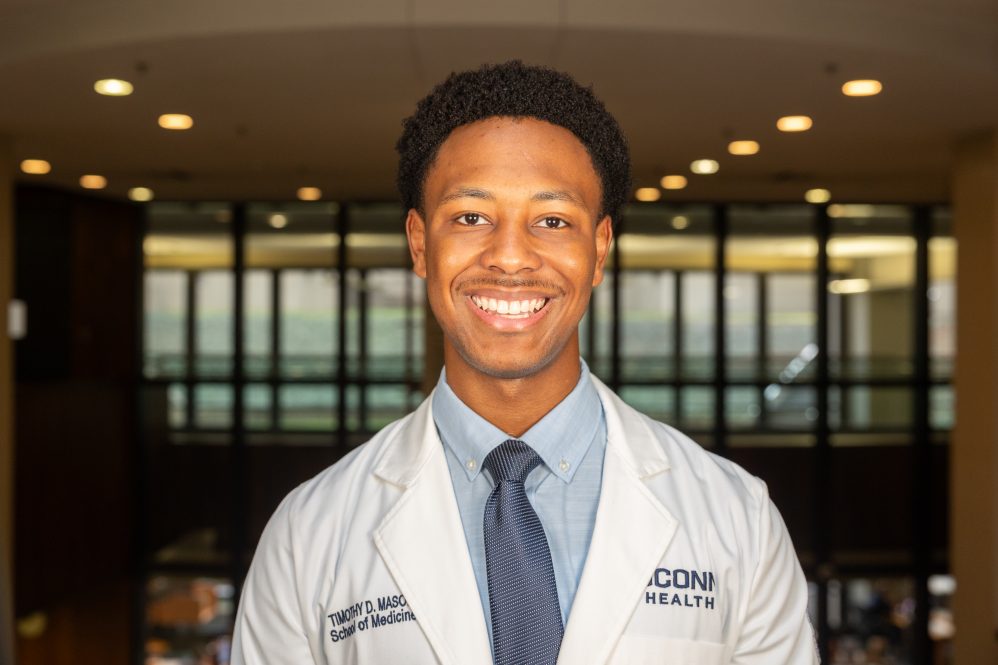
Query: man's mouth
x=510 y=309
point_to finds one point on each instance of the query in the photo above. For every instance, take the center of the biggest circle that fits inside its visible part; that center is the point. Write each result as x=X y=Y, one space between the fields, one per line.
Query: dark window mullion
x=239 y=467
x=362 y=339
x=821 y=508
x=762 y=333
x=343 y=222
x=677 y=332
x=190 y=363
x=921 y=499
x=615 y=332
x=139 y=628
x=720 y=334
x=408 y=360
x=845 y=353
x=276 y=276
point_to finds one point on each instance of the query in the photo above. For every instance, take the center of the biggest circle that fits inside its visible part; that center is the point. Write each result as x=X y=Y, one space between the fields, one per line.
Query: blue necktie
x=523 y=596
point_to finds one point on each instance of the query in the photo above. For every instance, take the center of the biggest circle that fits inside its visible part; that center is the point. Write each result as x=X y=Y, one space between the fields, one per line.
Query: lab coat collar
x=629 y=432
x=401 y=462
x=412 y=444
x=422 y=543
x=632 y=532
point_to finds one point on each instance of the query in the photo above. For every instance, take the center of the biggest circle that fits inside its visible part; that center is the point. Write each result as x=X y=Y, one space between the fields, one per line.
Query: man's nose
x=512 y=248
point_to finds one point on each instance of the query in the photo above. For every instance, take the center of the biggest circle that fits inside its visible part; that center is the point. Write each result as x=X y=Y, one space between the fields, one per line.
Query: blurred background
x=207 y=299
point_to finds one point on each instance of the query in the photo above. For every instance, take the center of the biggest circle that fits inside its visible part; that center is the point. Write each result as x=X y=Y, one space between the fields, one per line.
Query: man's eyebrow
x=485 y=195
x=559 y=195
x=467 y=193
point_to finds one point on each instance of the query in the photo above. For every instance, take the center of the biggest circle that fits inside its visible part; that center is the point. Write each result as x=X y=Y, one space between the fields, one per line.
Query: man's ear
x=415 y=231
x=603 y=239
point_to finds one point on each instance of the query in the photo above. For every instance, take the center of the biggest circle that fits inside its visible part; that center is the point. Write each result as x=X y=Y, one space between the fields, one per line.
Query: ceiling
x=310 y=92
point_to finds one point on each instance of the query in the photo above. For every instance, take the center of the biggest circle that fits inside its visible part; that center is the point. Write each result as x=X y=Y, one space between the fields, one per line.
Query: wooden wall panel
x=76 y=379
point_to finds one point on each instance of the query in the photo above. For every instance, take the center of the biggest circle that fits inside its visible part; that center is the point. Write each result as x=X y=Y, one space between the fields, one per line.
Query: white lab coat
x=690 y=563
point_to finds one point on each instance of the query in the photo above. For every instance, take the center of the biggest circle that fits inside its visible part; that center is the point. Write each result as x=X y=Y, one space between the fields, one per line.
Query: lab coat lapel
x=421 y=541
x=632 y=531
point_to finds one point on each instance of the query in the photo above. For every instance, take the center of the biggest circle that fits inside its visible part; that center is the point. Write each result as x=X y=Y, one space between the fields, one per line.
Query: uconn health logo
x=681 y=587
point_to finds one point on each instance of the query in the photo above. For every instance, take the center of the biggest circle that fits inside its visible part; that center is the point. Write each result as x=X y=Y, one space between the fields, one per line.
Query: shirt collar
x=561 y=438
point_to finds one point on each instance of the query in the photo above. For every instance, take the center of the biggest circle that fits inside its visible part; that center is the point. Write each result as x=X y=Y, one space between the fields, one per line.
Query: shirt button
x=471 y=464
x=564 y=465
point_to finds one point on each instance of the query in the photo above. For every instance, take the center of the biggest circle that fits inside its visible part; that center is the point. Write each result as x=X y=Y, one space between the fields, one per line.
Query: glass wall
x=276 y=337
x=291 y=314
x=187 y=497
x=871 y=280
x=664 y=280
x=813 y=345
x=942 y=319
x=771 y=325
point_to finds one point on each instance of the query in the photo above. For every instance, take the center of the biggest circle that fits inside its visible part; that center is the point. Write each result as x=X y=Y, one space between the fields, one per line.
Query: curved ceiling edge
x=68 y=26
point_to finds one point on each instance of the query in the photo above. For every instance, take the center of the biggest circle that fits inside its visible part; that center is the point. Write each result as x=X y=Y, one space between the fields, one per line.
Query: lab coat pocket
x=649 y=650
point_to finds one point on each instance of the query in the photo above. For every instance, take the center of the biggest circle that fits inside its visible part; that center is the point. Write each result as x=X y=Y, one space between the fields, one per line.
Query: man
x=523 y=514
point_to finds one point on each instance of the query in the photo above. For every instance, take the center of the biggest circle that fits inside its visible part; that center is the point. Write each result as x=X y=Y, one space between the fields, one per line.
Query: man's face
x=510 y=245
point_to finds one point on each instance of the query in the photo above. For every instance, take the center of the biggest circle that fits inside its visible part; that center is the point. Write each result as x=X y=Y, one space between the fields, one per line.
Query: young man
x=523 y=514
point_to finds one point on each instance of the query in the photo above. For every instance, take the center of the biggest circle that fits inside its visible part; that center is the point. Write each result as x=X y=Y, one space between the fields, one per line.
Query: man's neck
x=513 y=405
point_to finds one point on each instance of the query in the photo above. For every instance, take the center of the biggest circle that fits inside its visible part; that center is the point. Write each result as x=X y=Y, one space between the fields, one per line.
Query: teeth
x=512 y=309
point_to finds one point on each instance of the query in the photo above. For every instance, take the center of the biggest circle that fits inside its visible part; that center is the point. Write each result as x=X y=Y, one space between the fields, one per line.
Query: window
x=262 y=366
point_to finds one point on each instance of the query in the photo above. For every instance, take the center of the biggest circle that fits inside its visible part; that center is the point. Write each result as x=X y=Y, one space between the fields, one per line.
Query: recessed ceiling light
x=674 y=182
x=743 y=147
x=794 y=123
x=176 y=121
x=647 y=194
x=278 y=220
x=35 y=166
x=862 y=88
x=309 y=193
x=140 y=194
x=704 y=166
x=680 y=222
x=817 y=196
x=93 y=182
x=113 y=87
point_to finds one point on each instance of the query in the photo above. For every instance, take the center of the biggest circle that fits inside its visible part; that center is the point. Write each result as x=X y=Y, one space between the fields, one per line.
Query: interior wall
x=76 y=403
x=6 y=403
x=83 y=628
x=974 y=443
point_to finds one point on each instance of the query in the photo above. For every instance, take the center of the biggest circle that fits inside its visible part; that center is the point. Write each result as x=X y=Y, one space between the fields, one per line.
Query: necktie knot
x=511 y=460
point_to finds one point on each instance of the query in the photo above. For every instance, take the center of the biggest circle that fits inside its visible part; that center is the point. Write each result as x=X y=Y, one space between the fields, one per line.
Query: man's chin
x=506 y=369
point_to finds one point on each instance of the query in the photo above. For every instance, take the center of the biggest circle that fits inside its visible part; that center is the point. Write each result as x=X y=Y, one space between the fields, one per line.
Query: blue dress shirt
x=564 y=490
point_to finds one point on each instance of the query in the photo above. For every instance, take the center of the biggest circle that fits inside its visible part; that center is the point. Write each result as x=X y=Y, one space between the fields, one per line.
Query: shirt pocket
x=649 y=650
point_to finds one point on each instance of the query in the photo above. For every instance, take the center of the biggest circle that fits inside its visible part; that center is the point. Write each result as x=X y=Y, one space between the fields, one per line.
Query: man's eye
x=553 y=223
x=470 y=218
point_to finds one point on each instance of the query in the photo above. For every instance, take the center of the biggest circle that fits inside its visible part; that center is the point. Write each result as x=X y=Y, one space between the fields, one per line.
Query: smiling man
x=523 y=514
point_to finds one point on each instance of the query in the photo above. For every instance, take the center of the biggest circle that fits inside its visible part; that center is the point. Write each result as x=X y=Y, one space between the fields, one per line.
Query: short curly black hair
x=513 y=89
